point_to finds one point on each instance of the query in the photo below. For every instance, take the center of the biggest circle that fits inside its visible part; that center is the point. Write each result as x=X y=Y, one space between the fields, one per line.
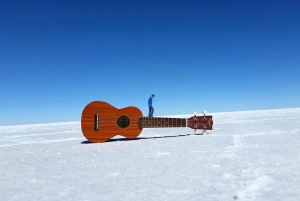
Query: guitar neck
x=161 y=122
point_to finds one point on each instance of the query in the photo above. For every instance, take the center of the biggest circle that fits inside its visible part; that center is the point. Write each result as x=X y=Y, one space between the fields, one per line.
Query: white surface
x=252 y=155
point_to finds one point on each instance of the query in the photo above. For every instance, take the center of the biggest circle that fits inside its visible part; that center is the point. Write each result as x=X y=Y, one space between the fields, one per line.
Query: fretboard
x=161 y=122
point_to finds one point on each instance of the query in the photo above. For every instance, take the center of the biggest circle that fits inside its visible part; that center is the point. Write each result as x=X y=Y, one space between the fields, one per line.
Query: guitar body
x=101 y=121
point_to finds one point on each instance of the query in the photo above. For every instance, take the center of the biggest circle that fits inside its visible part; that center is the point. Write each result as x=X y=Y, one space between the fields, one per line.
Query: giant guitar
x=101 y=121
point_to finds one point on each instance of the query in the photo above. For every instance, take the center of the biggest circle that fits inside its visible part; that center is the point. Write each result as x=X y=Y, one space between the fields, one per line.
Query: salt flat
x=251 y=155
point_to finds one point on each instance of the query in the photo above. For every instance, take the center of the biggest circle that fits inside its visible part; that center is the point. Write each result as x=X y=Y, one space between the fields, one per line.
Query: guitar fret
x=162 y=122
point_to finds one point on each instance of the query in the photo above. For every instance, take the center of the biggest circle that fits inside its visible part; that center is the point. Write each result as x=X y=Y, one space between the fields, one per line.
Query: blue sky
x=57 y=56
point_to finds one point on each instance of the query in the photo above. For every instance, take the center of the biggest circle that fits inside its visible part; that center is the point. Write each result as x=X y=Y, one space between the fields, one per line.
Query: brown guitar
x=101 y=121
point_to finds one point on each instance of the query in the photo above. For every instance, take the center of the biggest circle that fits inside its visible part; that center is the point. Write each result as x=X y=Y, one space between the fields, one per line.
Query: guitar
x=101 y=121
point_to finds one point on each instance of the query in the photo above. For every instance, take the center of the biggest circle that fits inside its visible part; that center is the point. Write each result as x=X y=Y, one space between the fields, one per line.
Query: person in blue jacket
x=151 y=109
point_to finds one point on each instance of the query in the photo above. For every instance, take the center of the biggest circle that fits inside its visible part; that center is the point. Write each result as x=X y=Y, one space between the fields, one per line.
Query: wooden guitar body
x=101 y=121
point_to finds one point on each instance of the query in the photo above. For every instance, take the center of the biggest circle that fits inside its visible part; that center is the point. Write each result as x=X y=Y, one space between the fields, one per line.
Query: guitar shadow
x=140 y=138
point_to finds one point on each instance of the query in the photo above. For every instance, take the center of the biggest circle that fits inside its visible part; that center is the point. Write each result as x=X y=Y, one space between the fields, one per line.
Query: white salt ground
x=251 y=155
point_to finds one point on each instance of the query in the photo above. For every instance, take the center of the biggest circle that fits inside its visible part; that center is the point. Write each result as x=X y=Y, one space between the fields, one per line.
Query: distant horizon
x=218 y=56
x=175 y=115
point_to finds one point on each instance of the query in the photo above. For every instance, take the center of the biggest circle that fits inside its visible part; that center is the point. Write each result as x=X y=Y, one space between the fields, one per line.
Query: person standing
x=151 y=109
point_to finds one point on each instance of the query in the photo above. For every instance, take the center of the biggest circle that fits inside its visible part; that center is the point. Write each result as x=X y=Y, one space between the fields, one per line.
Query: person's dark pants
x=151 y=111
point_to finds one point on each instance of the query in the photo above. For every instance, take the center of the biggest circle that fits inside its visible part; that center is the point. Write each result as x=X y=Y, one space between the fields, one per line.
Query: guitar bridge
x=96 y=122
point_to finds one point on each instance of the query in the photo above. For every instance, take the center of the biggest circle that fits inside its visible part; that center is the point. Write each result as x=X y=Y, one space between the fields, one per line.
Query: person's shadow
x=141 y=138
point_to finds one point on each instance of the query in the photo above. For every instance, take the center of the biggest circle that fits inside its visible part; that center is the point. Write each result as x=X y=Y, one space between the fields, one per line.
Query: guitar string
x=152 y=118
x=155 y=119
x=153 y=122
x=147 y=122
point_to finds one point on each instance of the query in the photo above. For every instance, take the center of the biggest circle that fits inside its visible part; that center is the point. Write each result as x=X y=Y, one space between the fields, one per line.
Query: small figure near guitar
x=151 y=109
x=101 y=121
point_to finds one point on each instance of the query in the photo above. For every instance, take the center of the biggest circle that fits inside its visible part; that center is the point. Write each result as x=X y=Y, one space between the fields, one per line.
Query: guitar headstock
x=204 y=122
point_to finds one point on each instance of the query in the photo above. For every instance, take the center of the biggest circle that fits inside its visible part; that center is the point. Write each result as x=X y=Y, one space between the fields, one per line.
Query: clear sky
x=57 y=56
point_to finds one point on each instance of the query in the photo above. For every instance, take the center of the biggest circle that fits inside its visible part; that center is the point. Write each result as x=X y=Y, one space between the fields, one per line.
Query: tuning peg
x=204 y=112
x=195 y=131
x=204 y=132
x=195 y=114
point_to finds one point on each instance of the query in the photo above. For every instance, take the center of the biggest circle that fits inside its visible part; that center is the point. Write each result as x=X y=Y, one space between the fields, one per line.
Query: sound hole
x=123 y=121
